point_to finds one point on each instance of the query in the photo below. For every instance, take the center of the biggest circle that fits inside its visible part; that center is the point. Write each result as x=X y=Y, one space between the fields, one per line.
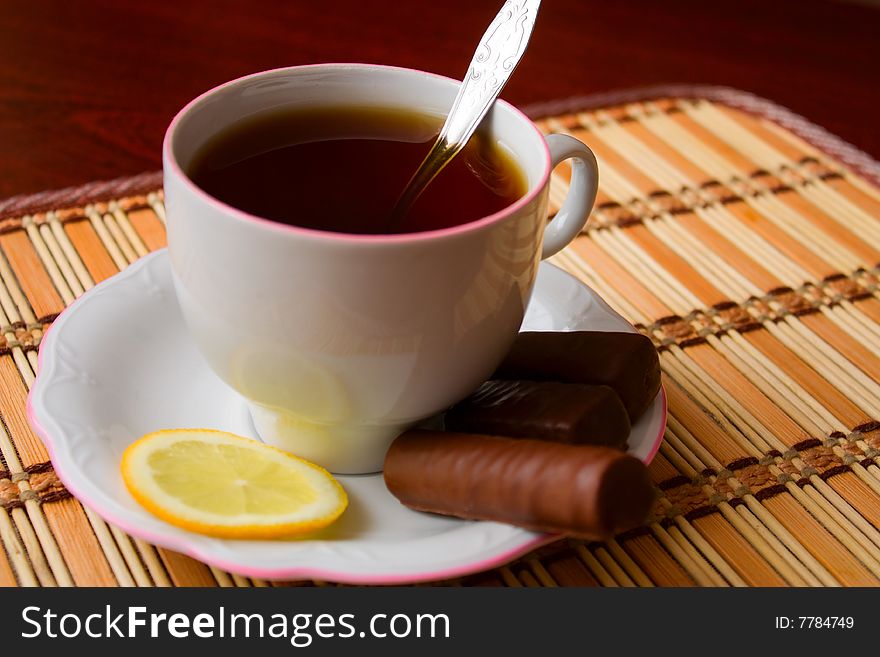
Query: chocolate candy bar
x=627 y=362
x=564 y=412
x=583 y=490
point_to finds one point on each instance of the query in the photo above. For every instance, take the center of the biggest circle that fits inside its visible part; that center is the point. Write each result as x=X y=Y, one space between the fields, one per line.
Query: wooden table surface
x=87 y=88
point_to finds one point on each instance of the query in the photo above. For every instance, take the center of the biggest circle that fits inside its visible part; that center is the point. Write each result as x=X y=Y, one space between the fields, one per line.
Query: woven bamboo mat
x=748 y=254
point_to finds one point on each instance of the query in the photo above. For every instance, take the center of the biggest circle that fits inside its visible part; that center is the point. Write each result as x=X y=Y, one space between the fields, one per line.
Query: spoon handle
x=497 y=55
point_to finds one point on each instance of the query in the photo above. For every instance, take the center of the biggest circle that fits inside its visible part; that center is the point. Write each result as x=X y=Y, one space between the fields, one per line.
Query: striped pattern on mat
x=748 y=255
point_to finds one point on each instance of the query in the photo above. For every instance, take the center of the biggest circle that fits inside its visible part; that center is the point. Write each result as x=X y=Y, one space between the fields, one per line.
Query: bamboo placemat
x=734 y=233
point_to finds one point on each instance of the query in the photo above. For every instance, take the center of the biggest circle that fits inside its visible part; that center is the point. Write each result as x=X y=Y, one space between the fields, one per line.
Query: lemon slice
x=220 y=484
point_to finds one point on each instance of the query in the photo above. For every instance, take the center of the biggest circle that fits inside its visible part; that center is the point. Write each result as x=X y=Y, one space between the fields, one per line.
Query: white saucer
x=119 y=363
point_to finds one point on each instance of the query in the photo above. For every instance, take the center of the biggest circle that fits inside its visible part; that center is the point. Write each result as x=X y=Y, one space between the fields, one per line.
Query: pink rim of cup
x=168 y=152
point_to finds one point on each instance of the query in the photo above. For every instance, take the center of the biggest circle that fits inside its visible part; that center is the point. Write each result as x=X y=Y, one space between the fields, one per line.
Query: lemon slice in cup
x=220 y=484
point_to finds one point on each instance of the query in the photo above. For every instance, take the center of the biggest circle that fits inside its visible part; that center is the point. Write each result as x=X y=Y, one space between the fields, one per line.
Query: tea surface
x=343 y=169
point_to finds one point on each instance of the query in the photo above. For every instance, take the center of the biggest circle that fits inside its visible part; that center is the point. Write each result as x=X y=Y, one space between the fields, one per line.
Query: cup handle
x=575 y=210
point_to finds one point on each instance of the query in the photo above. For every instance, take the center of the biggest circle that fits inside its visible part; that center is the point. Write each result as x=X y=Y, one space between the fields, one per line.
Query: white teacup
x=339 y=342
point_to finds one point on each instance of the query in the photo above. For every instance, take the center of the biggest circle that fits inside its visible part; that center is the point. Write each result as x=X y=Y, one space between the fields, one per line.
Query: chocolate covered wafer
x=627 y=362
x=564 y=412
x=583 y=490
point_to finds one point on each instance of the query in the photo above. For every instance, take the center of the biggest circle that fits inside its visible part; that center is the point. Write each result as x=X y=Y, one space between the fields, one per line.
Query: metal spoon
x=495 y=59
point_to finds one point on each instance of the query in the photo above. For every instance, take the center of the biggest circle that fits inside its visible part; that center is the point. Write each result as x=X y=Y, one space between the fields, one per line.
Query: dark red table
x=87 y=88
